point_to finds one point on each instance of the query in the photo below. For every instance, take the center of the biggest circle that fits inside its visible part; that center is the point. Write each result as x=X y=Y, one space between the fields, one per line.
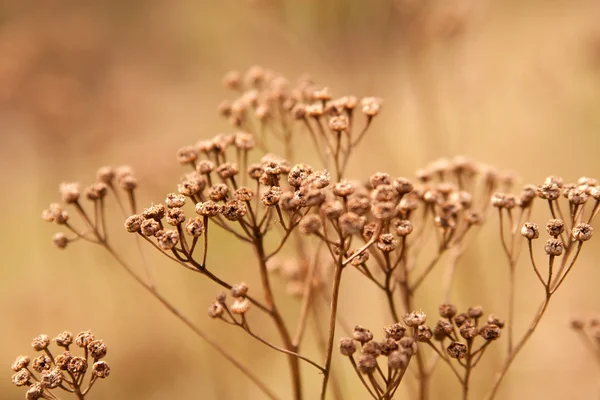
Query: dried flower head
x=101 y=369
x=362 y=335
x=240 y=306
x=347 y=347
x=415 y=318
x=530 y=230
x=40 y=342
x=457 y=350
x=395 y=331
x=582 y=232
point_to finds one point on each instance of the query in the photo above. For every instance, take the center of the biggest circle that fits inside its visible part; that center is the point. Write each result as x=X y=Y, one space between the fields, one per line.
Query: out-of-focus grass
x=83 y=85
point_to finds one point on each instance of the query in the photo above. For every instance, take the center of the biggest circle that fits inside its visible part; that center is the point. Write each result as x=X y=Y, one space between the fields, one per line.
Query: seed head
x=367 y=363
x=35 y=391
x=175 y=200
x=371 y=106
x=243 y=194
x=379 y=178
x=64 y=339
x=227 y=170
x=442 y=330
x=97 y=349
x=457 y=350
x=100 y=369
x=20 y=363
x=347 y=347
x=582 y=232
x=461 y=319
x=150 y=227
x=373 y=348
x=338 y=123
x=362 y=258
x=553 y=247
x=105 y=175
x=577 y=196
x=96 y=191
x=490 y=332
x=215 y=310
x=344 y=188
x=240 y=306
x=388 y=346
x=475 y=311
x=244 y=141
x=447 y=310
x=77 y=365
x=21 y=378
x=41 y=363
x=395 y=331
x=424 y=333
x=359 y=204
x=403 y=227
x=494 y=320
x=187 y=155
x=83 y=339
x=55 y=213
x=362 y=335
x=208 y=208
x=310 y=224
x=351 y=223
x=415 y=318
x=40 y=342
x=468 y=330
x=63 y=359
x=52 y=378
x=272 y=196
x=218 y=192
x=384 y=211
x=69 y=192
x=60 y=240
x=397 y=360
x=234 y=210
x=530 y=230
x=167 y=239
x=155 y=212
x=548 y=191
x=195 y=227
x=239 y=290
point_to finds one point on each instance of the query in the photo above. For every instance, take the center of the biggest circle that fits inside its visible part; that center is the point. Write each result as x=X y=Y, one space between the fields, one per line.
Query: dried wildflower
x=21 y=378
x=395 y=331
x=553 y=247
x=490 y=332
x=52 y=379
x=35 y=391
x=55 y=213
x=70 y=192
x=332 y=209
x=272 y=196
x=475 y=312
x=577 y=196
x=403 y=227
x=227 y=170
x=442 y=329
x=191 y=186
x=41 y=363
x=351 y=223
x=40 y=342
x=167 y=239
x=343 y=188
x=371 y=106
x=243 y=194
x=494 y=320
x=175 y=216
x=234 y=210
x=582 y=232
x=373 y=348
x=97 y=349
x=101 y=369
x=195 y=227
x=387 y=242
x=457 y=350
x=215 y=310
x=96 y=191
x=362 y=335
x=240 y=306
x=208 y=208
x=367 y=363
x=63 y=359
x=415 y=318
x=239 y=290
x=83 y=339
x=362 y=258
x=360 y=205
x=175 y=200
x=318 y=179
x=468 y=330
x=384 y=211
x=338 y=123
x=187 y=155
x=205 y=167
x=548 y=191
x=105 y=175
x=77 y=365
x=218 y=192
x=20 y=363
x=555 y=227
x=461 y=319
x=244 y=141
x=388 y=346
x=447 y=310
x=347 y=347
x=402 y=185
x=379 y=178
x=530 y=230
x=150 y=227
x=64 y=339
x=155 y=212
x=424 y=333
x=310 y=224
x=397 y=360
x=60 y=240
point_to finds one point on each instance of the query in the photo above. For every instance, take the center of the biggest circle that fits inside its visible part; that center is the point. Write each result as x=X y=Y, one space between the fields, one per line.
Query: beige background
x=83 y=84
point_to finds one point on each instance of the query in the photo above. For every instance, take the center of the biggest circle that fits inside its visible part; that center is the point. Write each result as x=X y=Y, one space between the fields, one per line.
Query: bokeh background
x=89 y=83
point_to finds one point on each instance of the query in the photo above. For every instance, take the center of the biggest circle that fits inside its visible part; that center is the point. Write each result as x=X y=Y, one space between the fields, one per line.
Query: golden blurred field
x=88 y=83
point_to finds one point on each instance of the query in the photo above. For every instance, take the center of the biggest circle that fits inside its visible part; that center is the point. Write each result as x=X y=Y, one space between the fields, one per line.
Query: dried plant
x=64 y=372
x=392 y=230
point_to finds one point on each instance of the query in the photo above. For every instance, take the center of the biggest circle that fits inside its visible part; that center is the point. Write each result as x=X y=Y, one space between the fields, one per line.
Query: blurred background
x=90 y=83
